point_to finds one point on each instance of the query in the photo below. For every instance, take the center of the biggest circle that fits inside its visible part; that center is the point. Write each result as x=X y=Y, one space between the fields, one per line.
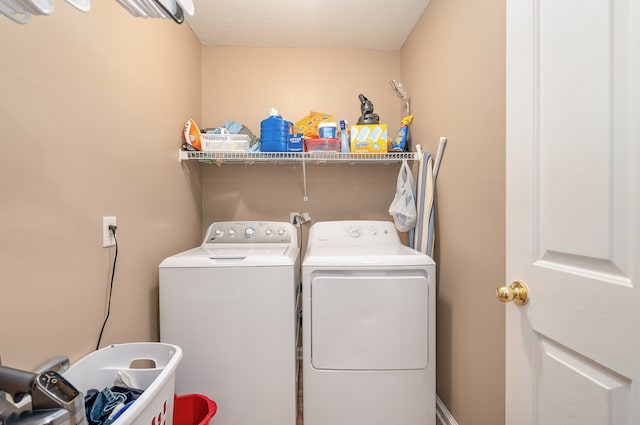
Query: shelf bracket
x=304 y=180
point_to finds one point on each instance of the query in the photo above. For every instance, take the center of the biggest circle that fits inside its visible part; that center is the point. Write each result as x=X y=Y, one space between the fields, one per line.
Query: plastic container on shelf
x=327 y=130
x=150 y=366
x=193 y=409
x=322 y=145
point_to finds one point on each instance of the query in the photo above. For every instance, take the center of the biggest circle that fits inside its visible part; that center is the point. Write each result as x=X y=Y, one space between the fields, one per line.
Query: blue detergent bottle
x=273 y=132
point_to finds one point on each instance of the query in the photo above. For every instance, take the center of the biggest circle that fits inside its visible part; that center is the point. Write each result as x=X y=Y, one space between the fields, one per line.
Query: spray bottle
x=400 y=143
x=344 y=137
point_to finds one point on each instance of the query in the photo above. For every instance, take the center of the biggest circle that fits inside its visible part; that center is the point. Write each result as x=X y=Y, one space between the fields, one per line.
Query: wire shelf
x=295 y=157
x=317 y=157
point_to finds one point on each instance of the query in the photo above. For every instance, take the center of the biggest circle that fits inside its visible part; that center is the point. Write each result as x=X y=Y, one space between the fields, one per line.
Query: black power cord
x=112 y=229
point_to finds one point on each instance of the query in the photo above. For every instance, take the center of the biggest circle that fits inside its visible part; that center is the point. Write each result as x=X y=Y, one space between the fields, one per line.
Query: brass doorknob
x=516 y=292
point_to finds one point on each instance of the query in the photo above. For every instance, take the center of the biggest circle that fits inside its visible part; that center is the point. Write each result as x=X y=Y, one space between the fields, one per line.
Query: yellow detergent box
x=369 y=138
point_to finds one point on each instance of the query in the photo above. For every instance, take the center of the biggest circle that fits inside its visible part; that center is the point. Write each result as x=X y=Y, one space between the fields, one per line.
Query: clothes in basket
x=104 y=407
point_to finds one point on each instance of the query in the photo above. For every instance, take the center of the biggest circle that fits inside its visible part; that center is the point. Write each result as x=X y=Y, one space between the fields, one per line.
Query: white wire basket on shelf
x=225 y=142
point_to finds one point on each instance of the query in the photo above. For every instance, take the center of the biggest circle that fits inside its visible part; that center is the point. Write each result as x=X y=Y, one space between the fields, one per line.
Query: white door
x=573 y=212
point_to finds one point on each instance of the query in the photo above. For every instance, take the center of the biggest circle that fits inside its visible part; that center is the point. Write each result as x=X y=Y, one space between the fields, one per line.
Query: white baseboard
x=443 y=414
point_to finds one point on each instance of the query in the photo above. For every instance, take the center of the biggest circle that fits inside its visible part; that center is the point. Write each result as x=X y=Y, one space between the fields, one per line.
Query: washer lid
x=244 y=251
x=235 y=256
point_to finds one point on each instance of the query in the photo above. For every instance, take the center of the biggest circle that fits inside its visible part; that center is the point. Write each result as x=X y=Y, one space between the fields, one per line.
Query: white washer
x=230 y=305
x=368 y=327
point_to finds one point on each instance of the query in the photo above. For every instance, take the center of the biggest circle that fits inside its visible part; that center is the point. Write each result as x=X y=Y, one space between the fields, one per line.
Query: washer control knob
x=249 y=232
x=218 y=233
x=231 y=232
x=281 y=232
x=268 y=232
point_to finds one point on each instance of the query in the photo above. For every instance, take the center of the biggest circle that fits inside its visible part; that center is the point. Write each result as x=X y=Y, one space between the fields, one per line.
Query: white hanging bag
x=403 y=206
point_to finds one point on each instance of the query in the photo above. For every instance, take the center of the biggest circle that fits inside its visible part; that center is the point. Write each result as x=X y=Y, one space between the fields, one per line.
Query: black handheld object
x=366 y=108
x=53 y=399
x=48 y=390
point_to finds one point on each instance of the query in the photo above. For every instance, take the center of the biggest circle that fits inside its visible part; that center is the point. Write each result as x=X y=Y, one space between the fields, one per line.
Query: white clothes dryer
x=368 y=327
x=230 y=304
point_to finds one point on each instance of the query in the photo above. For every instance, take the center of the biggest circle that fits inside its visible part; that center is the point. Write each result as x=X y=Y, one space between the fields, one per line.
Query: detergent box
x=294 y=143
x=369 y=138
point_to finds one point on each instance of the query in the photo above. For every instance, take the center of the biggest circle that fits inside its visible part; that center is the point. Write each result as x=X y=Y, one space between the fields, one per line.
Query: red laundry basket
x=193 y=409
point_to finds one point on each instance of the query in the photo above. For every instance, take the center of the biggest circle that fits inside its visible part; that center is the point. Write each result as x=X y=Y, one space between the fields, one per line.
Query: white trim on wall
x=444 y=416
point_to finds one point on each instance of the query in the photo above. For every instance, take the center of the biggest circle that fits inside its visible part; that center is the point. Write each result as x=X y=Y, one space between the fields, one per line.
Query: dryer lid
x=361 y=255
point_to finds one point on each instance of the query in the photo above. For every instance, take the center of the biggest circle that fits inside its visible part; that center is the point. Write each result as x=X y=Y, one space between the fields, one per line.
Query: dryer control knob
x=249 y=232
x=355 y=233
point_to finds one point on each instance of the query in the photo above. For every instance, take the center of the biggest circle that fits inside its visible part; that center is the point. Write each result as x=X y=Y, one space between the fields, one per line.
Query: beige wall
x=453 y=66
x=91 y=111
x=242 y=83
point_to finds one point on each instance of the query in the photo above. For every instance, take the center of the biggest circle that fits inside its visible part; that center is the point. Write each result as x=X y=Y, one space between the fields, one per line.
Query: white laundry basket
x=100 y=369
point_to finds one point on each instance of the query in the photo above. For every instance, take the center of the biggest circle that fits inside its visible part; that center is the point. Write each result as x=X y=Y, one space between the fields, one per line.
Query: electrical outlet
x=293 y=218
x=107 y=237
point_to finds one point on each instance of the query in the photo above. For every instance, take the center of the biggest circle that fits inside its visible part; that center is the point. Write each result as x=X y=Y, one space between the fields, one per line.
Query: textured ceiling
x=356 y=24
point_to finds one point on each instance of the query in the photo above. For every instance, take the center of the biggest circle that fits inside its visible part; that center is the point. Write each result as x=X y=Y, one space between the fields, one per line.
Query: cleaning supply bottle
x=273 y=132
x=344 y=137
x=403 y=138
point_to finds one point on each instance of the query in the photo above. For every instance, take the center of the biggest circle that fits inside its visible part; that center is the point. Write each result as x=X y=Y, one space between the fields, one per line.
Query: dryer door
x=370 y=322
